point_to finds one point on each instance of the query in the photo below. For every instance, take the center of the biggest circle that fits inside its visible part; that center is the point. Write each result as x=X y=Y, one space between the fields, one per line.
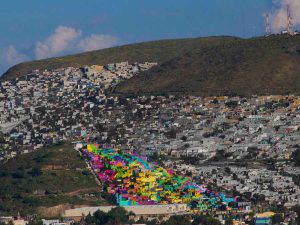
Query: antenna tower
x=267 y=24
x=289 y=21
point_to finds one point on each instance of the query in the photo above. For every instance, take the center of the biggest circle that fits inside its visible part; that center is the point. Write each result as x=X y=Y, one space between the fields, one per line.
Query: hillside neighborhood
x=150 y=112
x=246 y=147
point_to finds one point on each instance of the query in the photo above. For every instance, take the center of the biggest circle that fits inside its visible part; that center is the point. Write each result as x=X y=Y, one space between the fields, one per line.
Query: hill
x=267 y=65
x=158 y=51
x=198 y=66
x=46 y=181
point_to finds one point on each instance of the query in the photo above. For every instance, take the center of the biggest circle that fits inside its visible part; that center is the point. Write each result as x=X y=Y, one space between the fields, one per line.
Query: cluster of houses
x=251 y=183
x=18 y=220
x=256 y=136
x=46 y=107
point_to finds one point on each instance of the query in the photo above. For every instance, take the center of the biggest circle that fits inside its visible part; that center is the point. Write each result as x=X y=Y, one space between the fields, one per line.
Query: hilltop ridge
x=261 y=66
x=159 y=51
x=197 y=66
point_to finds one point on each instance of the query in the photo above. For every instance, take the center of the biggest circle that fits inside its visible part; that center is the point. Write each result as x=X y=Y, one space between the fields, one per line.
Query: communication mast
x=267 y=24
x=289 y=21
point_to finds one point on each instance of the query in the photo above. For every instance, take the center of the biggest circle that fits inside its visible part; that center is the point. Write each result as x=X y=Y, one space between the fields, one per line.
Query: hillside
x=238 y=67
x=158 y=51
x=53 y=177
x=199 y=66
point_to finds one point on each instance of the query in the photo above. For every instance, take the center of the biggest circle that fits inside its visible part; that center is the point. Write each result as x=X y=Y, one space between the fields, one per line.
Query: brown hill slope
x=237 y=67
x=158 y=51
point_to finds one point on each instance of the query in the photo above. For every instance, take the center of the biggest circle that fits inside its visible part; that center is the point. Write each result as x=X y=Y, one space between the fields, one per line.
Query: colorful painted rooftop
x=134 y=181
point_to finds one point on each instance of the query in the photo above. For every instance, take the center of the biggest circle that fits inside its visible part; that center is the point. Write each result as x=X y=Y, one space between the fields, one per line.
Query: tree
x=184 y=138
x=235 y=176
x=296 y=157
x=154 y=157
x=89 y=219
x=141 y=221
x=232 y=205
x=100 y=217
x=35 y=172
x=117 y=215
x=177 y=220
x=227 y=170
x=108 y=197
x=277 y=219
x=35 y=222
x=153 y=222
x=18 y=175
x=215 y=101
x=205 y=220
x=231 y=104
x=229 y=221
x=257 y=198
x=123 y=101
x=188 y=173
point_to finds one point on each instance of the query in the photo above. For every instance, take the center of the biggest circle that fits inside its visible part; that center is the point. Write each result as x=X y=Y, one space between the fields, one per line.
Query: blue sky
x=27 y=25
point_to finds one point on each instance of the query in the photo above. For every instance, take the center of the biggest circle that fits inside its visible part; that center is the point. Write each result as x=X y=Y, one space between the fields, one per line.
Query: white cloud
x=64 y=40
x=95 y=42
x=279 y=18
x=10 y=56
x=61 y=40
x=70 y=40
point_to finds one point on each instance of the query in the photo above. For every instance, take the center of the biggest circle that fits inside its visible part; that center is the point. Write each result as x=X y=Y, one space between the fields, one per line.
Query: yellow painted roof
x=265 y=214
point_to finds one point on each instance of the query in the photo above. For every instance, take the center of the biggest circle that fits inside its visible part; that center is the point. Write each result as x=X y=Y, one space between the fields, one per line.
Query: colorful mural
x=134 y=181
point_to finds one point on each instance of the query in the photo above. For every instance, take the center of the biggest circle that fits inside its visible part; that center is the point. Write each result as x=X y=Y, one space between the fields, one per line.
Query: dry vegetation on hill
x=199 y=66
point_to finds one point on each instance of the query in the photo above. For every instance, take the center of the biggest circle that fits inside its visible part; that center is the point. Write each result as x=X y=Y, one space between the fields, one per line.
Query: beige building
x=18 y=221
x=141 y=211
